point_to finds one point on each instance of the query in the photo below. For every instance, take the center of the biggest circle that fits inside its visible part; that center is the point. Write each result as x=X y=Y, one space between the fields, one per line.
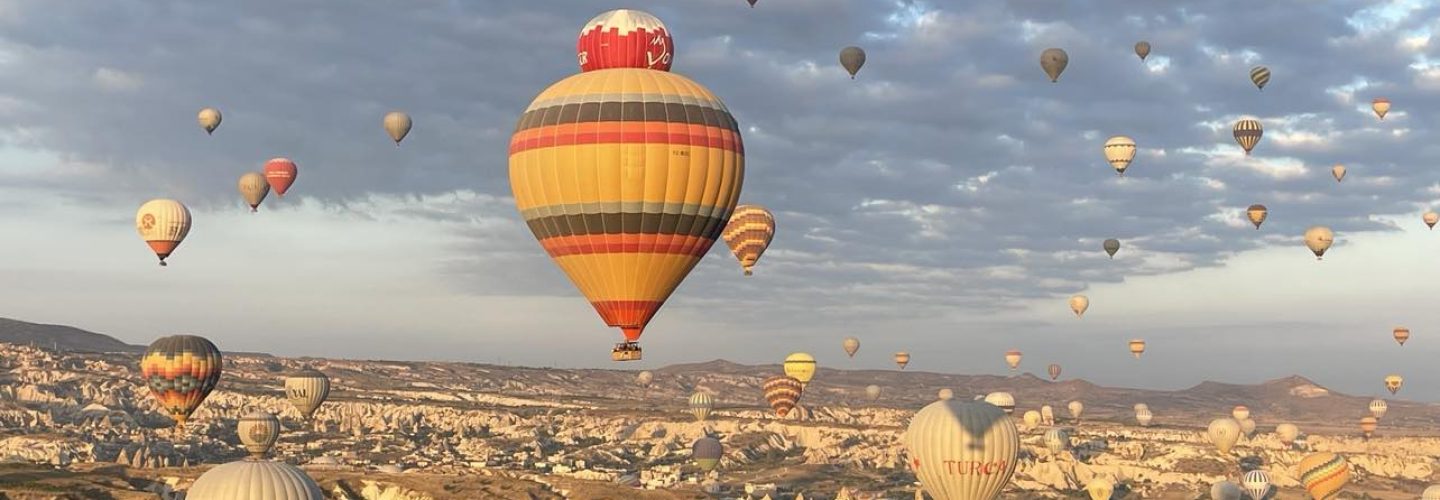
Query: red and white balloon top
x=625 y=38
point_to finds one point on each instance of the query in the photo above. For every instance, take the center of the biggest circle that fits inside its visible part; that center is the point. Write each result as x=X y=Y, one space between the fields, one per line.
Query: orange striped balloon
x=180 y=371
x=782 y=392
x=626 y=177
x=749 y=233
x=1324 y=475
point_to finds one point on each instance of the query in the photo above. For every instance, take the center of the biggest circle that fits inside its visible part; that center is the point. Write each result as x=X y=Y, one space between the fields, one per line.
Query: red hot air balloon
x=280 y=173
x=625 y=38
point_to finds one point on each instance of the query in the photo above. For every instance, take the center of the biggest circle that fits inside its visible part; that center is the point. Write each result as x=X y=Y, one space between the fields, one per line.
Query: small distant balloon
x=397 y=124
x=851 y=345
x=1318 y=239
x=280 y=173
x=1054 y=370
x=1257 y=213
x=209 y=120
x=1401 y=334
x=1012 y=358
x=1260 y=76
x=1053 y=61
x=1078 y=304
x=1137 y=347
x=902 y=359
x=1393 y=383
x=852 y=58
x=1247 y=133
x=1119 y=151
x=1111 y=246
x=1338 y=172
x=1430 y=219
x=1378 y=408
x=1380 y=106
x=253 y=189
x=1142 y=49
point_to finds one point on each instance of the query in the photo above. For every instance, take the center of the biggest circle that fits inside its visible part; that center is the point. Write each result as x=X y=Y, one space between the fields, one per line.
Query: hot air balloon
x=1054 y=370
x=945 y=394
x=1381 y=106
x=1240 y=413
x=397 y=124
x=1338 y=172
x=749 y=233
x=801 y=366
x=249 y=478
x=1223 y=433
x=852 y=58
x=946 y=435
x=1047 y=415
x=163 y=224
x=1378 y=408
x=180 y=371
x=1111 y=246
x=851 y=345
x=1226 y=490
x=624 y=38
x=644 y=378
x=1143 y=417
x=783 y=392
x=1392 y=382
x=902 y=359
x=1053 y=61
x=1431 y=493
x=707 y=452
x=1100 y=488
x=209 y=120
x=752 y=3
x=1367 y=426
x=611 y=205
x=253 y=189
x=1012 y=358
x=306 y=391
x=1057 y=440
x=1256 y=213
x=1139 y=406
x=1002 y=400
x=872 y=391
x=1260 y=76
x=1287 y=433
x=700 y=405
x=1119 y=151
x=1142 y=49
x=1319 y=239
x=1137 y=347
x=1032 y=419
x=1247 y=132
x=258 y=431
x=1076 y=408
x=280 y=173
x=1401 y=334
x=1079 y=304
x=1256 y=483
x=1247 y=428
x=1324 y=475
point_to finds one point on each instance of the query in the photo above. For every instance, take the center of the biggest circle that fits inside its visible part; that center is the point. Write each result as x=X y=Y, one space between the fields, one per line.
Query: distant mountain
x=68 y=338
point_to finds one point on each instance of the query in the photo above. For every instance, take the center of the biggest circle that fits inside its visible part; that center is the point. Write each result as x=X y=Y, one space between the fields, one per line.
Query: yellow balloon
x=801 y=366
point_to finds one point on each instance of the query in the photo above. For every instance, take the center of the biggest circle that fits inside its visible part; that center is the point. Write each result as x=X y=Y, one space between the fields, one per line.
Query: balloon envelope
x=209 y=119
x=163 y=224
x=852 y=58
x=1119 y=151
x=306 y=391
x=748 y=234
x=902 y=359
x=1247 y=133
x=1324 y=475
x=180 y=371
x=1100 y=488
x=707 y=452
x=397 y=124
x=1078 y=305
x=701 y=403
x=962 y=450
x=1257 y=213
x=1142 y=49
x=253 y=189
x=280 y=173
x=624 y=38
x=1226 y=490
x=851 y=345
x=1223 y=433
x=1054 y=371
x=782 y=392
x=1054 y=61
x=258 y=431
x=801 y=366
x=1260 y=76
x=1318 y=239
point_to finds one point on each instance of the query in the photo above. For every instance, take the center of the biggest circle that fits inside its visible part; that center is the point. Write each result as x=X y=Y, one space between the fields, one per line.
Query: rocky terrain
x=79 y=425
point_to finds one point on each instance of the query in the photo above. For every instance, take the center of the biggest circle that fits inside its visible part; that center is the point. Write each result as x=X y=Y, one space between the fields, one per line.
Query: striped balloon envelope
x=701 y=403
x=1247 y=132
x=625 y=38
x=749 y=233
x=1324 y=475
x=626 y=177
x=1260 y=76
x=782 y=392
x=180 y=371
x=306 y=391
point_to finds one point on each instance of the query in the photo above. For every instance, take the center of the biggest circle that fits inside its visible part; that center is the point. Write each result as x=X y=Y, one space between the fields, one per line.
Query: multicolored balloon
x=180 y=371
x=902 y=359
x=624 y=38
x=748 y=234
x=707 y=452
x=1324 y=475
x=783 y=393
x=1054 y=371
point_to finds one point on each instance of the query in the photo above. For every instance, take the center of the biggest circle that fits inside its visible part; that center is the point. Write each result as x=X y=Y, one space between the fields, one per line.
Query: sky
x=946 y=202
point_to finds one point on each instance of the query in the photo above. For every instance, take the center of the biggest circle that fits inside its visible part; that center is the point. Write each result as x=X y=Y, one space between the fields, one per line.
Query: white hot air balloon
x=1240 y=413
x=962 y=450
x=306 y=391
x=1003 y=400
x=1378 y=408
x=1144 y=417
x=873 y=392
x=1223 y=433
x=1256 y=483
x=1076 y=408
x=258 y=431
x=1287 y=433
x=246 y=479
x=163 y=224
x=1078 y=305
x=1319 y=239
x=1047 y=415
x=209 y=120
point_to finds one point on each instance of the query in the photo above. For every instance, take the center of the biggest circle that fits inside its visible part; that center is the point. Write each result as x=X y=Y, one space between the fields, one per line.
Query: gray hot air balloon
x=306 y=391
x=852 y=58
x=873 y=392
x=258 y=431
x=1053 y=61
x=1112 y=245
x=1226 y=490
x=251 y=479
x=1142 y=49
x=397 y=124
x=707 y=452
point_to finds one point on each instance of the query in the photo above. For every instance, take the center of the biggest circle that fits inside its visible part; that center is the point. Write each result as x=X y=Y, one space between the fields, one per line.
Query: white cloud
x=117 y=80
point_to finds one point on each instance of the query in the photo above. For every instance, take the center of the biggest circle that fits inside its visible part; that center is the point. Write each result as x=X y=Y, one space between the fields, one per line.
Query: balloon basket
x=625 y=352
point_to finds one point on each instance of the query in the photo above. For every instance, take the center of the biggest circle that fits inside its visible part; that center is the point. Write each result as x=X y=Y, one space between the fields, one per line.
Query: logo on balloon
x=147 y=221
x=970 y=467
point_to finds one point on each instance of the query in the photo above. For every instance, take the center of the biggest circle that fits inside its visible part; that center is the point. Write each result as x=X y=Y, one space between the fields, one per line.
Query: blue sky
x=947 y=202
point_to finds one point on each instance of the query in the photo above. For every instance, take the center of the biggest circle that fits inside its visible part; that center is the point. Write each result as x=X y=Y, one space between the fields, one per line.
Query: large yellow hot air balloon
x=1319 y=239
x=1223 y=433
x=902 y=359
x=801 y=366
x=253 y=188
x=1247 y=132
x=1257 y=213
x=749 y=233
x=1381 y=106
x=163 y=224
x=1100 y=488
x=1137 y=347
x=851 y=345
x=962 y=450
x=397 y=124
x=1119 y=151
x=626 y=177
x=1078 y=304
x=1392 y=382
x=209 y=119
x=180 y=371
x=1012 y=358
x=1324 y=475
